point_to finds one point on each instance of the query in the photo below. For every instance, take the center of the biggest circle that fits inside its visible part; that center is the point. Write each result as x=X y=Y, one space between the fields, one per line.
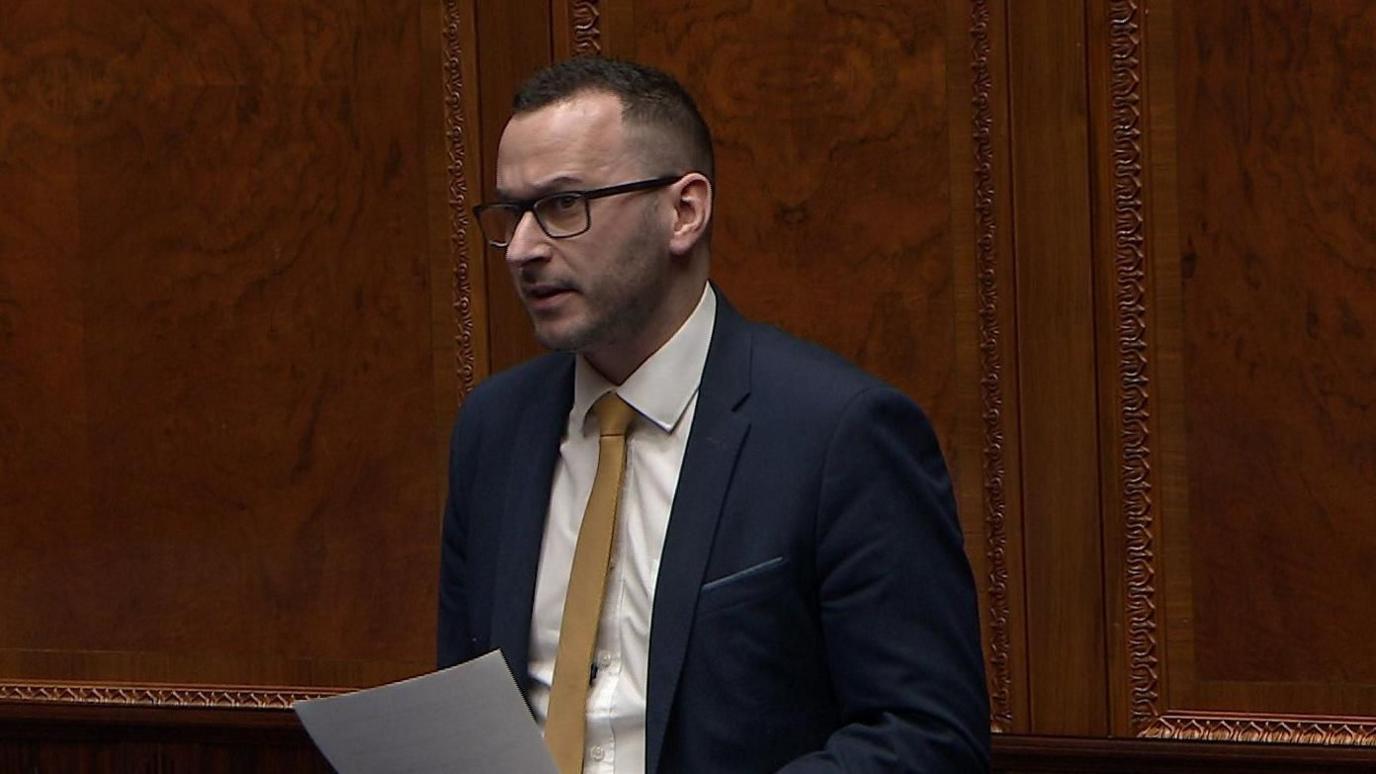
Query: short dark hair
x=649 y=98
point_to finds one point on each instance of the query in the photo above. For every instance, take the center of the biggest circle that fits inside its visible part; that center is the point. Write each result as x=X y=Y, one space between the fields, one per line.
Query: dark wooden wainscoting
x=1070 y=755
x=59 y=739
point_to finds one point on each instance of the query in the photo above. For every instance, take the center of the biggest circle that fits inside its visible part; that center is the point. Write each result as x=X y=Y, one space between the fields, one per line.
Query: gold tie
x=568 y=695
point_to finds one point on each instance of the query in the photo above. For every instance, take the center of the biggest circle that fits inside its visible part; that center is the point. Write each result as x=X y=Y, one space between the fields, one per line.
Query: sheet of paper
x=467 y=718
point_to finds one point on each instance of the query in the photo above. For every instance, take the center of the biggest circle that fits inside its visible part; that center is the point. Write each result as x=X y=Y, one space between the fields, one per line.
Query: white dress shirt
x=664 y=393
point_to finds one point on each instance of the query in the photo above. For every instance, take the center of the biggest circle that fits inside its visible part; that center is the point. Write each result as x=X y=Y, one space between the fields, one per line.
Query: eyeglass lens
x=561 y=215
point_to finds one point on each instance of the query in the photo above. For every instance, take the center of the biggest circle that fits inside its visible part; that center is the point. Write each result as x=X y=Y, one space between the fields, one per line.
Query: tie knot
x=613 y=414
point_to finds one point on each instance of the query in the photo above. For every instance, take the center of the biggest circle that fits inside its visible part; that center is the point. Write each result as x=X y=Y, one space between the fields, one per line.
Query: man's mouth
x=545 y=293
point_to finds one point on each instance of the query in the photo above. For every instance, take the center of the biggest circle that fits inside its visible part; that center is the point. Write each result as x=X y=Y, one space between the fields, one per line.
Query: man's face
x=596 y=293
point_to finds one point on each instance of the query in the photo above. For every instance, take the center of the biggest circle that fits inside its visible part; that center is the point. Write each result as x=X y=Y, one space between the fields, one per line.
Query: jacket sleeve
x=897 y=600
x=453 y=640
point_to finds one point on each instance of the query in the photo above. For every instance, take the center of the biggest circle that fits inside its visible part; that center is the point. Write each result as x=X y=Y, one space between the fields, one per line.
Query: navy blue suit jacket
x=814 y=609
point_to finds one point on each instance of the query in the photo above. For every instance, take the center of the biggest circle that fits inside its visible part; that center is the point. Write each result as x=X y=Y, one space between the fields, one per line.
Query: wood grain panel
x=217 y=289
x=1235 y=143
x=44 y=448
x=1279 y=276
x=1057 y=381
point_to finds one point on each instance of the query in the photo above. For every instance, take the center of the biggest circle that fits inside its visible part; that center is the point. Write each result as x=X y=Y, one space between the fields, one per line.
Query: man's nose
x=528 y=241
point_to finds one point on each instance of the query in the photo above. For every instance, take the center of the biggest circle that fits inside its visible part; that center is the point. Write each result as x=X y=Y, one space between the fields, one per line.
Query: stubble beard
x=619 y=305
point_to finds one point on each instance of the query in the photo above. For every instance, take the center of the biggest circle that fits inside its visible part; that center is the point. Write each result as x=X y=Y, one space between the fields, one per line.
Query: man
x=781 y=584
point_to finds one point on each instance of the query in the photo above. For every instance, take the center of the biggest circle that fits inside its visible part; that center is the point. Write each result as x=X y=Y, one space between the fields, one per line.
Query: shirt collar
x=663 y=386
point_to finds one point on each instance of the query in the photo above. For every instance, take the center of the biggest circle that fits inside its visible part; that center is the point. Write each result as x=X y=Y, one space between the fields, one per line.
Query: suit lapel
x=534 y=451
x=708 y=463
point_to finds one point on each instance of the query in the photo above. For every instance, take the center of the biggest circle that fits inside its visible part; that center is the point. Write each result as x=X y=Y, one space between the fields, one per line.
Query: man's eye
x=566 y=202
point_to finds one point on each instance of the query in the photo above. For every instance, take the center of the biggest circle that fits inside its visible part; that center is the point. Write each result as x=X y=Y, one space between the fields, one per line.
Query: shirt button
x=598 y=753
x=604 y=659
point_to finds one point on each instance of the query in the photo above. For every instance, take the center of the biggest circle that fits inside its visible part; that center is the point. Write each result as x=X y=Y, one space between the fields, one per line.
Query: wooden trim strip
x=235 y=697
x=1134 y=410
x=459 y=222
x=1283 y=729
x=991 y=369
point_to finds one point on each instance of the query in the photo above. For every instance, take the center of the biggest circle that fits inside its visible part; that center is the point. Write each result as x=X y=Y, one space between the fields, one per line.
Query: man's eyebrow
x=553 y=185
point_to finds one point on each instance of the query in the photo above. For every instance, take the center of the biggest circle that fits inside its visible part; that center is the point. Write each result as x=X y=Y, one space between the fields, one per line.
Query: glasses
x=560 y=215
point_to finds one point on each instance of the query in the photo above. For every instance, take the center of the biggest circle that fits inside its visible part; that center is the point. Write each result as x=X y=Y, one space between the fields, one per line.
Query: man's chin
x=560 y=338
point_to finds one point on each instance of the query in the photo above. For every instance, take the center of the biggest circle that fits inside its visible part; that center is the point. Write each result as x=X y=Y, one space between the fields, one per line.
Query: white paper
x=467 y=718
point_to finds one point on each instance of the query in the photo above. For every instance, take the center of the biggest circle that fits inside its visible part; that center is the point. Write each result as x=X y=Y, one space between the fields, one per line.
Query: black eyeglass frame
x=521 y=207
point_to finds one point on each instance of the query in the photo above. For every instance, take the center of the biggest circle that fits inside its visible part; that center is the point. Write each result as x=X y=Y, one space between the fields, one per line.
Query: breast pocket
x=755 y=582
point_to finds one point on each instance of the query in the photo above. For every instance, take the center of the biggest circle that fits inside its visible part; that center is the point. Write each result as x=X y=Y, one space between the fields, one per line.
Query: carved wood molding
x=1134 y=411
x=990 y=383
x=454 y=133
x=1297 y=729
x=233 y=697
x=587 y=27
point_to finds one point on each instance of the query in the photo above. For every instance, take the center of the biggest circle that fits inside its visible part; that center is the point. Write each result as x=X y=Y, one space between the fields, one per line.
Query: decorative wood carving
x=1221 y=727
x=160 y=695
x=1129 y=253
x=587 y=27
x=991 y=389
x=458 y=197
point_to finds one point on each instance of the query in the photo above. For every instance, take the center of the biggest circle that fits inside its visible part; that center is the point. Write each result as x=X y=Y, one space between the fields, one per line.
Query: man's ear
x=692 y=213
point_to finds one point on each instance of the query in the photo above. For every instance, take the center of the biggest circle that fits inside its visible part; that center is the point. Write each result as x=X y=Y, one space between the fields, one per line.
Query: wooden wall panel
x=1278 y=228
x=1055 y=339
x=218 y=382
x=1242 y=271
